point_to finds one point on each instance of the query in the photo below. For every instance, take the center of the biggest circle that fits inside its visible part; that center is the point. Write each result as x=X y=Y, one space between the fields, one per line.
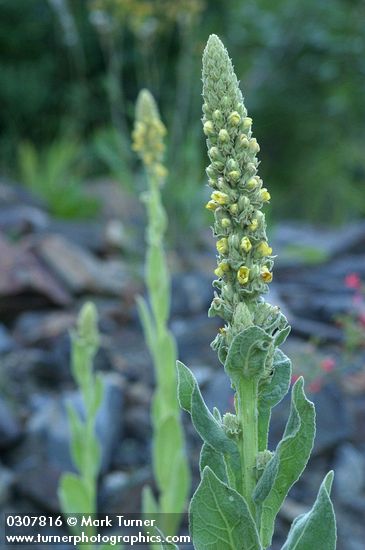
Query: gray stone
x=6 y=341
x=120 y=492
x=350 y=475
x=10 y=429
x=48 y=428
x=6 y=483
x=80 y=270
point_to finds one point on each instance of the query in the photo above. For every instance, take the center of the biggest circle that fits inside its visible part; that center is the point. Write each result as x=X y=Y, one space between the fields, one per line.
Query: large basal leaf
x=317 y=528
x=247 y=354
x=271 y=394
x=288 y=462
x=220 y=518
x=205 y=424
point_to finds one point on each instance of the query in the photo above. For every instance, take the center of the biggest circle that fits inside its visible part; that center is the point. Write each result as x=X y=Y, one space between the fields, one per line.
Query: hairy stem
x=247 y=400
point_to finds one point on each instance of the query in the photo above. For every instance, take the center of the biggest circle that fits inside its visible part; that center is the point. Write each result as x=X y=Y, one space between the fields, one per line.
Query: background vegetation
x=71 y=72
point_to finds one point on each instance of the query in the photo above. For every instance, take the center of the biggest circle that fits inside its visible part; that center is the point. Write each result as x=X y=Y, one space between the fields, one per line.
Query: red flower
x=352 y=280
x=294 y=378
x=315 y=386
x=328 y=364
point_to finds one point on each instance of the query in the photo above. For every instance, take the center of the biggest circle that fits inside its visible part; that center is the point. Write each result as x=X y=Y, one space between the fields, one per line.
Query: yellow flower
x=211 y=205
x=222 y=268
x=243 y=275
x=220 y=198
x=264 y=249
x=266 y=275
x=246 y=244
x=265 y=195
x=253 y=225
x=234 y=118
x=222 y=246
x=208 y=128
x=160 y=171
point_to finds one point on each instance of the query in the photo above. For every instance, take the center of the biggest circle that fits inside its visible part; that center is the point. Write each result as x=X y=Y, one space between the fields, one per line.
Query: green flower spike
x=244 y=484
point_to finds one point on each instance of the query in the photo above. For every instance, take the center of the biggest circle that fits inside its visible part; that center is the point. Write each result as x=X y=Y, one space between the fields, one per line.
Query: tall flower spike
x=237 y=198
x=148 y=134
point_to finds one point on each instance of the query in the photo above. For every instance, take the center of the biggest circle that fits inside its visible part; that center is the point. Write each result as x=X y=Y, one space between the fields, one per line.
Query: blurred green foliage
x=75 y=67
x=53 y=175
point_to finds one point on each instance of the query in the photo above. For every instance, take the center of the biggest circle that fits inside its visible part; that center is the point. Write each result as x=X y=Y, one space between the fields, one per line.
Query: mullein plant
x=243 y=483
x=170 y=466
x=78 y=491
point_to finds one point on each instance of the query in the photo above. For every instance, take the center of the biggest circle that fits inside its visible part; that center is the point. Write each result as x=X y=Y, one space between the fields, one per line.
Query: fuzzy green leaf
x=215 y=461
x=149 y=503
x=317 y=528
x=205 y=423
x=77 y=437
x=219 y=517
x=271 y=394
x=247 y=354
x=288 y=462
x=167 y=442
x=186 y=384
x=147 y=323
x=73 y=494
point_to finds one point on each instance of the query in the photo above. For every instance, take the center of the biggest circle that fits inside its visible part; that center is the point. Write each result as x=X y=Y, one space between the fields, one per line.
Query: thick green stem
x=249 y=444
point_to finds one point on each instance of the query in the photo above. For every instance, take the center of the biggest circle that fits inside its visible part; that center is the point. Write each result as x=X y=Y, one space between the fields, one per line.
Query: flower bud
x=251 y=167
x=217 y=116
x=211 y=205
x=234 y=176
x=253 y=225
x=254 y=146
x=247 y=123
x=214 y=153
x=265 y=195
x=222 y=268
x=225 y=223
x=233 y=209
x=223 y=136
x=264 y=249
x=244 y=141
x=234 y=118
x=222 y=245
x=252 y=183
x=232 y=165
x=246 y=244
x=208 y=128
x=243 y=275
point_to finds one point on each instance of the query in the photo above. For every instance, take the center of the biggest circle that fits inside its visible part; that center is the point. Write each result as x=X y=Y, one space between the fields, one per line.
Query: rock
x=20 y=219
x=48 y=428
x=121 y=492
x=218 y=392
x=6 y=483
x=81 y=271
x=332 y=420
x=10 y=429
x=35 y=327
x=192 y=294
x=349 y=482
x=86 y=234
x=24 y=281
x=194 y=336
x=6 y=341
x=38 y=480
